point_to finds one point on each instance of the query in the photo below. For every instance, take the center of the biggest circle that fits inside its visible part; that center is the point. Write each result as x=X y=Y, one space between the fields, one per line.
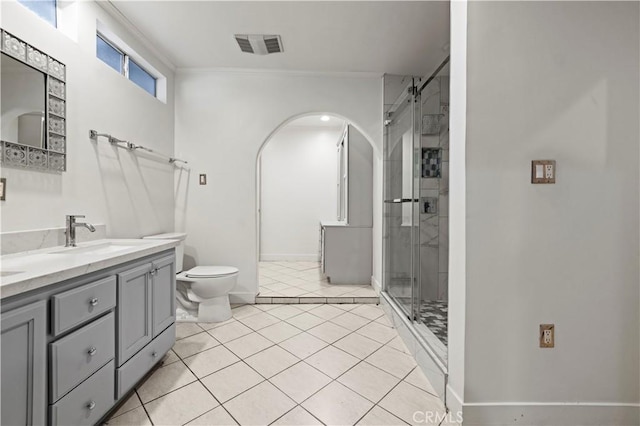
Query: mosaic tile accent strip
x=56 y=125
x=14 y=154
x=36 y=59
x=57 y=162
x=57 y=88
x=433 y=314
x=37 y=158
x=56 y=143
x=429 y=205
x=13 y=46
x=57 y=106
x=56 y=69
x=431 y=162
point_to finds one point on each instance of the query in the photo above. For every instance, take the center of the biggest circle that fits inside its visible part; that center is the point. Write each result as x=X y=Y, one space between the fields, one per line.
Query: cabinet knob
x=91 y=405
x=92 y=351
x=154 y=354
x=153 y=271
x=94 y=301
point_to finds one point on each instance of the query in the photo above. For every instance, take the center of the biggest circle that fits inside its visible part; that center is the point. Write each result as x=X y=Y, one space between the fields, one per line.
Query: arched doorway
x=302 y=186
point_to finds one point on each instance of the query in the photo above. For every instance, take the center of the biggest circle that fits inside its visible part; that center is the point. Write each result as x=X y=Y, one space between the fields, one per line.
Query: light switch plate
x=203 y=179
x=543 y=171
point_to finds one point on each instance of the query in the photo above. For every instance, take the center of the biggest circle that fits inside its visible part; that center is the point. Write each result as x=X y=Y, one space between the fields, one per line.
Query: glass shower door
x=402 y=186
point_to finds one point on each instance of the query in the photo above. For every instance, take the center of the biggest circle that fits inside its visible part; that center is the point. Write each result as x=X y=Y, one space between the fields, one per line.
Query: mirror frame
x=54 y=156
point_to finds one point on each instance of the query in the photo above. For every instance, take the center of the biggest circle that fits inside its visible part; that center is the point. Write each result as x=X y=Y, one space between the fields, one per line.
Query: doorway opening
x=310 y=176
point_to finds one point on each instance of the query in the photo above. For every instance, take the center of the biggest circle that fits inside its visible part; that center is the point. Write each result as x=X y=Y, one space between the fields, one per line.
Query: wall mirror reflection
x=33 y=107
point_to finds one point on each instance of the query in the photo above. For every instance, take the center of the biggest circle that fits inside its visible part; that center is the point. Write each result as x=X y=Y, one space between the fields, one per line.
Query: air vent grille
x=259 y=44
x=244 y=44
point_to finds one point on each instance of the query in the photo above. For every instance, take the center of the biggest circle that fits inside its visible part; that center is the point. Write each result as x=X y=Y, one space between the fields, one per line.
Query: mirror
x=33 y=107
x=23 y=103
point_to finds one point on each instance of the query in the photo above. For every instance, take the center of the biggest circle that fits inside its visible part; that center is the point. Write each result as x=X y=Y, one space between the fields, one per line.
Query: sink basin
x=103 y=248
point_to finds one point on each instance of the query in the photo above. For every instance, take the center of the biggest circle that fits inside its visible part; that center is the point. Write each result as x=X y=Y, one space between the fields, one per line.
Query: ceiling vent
x=259 y=44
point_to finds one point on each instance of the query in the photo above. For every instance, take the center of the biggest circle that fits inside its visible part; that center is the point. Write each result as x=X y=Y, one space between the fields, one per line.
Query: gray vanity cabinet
x=164 y=293
x=134 y=311
x=24 y=359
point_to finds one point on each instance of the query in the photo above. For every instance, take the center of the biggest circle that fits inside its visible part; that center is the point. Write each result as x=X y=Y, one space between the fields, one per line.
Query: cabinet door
x=24 y=357
x=134 y=317
x=164 y=293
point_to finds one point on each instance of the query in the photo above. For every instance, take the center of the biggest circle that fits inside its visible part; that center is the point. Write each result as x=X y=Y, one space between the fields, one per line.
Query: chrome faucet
x=70 y=233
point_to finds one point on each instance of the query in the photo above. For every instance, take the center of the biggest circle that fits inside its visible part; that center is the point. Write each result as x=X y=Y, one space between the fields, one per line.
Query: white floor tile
x=332 y=361
x=305 y=321
x=300 y=381
x=350 y=321
x=216 y=417
x=271 y=361
x=358 y=345
x=260 y=405
x=303 y=345
x=230 y=331
x=279 y=332
x=368 y=311
x=328 y=332
x=261 y=320
x=193 y=344
x=231 y=381
x=186 y=329
x=419 y=380
x=326 y=312
x=337 y=405
x=137 y=417
x=210 y=361
x=248 y=345
x=380 y=417
x=164 y=380
x=244 y=311
x=297 y=417
x=368 y=381
x=170 y=357
x=210 y=325
x=285 y=311
x=377 y=332
x=132 y=402
x=392 y=361
x=397 y=344
x=404 y=400
x=181 y=406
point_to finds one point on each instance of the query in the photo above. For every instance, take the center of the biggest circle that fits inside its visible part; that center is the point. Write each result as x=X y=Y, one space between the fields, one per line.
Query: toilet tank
x=181 y=236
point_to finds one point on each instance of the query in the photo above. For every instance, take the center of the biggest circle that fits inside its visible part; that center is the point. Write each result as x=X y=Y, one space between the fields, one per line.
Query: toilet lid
x=211 y=271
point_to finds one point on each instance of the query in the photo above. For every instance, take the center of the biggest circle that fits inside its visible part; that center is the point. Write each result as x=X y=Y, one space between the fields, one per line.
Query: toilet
x=202 y=292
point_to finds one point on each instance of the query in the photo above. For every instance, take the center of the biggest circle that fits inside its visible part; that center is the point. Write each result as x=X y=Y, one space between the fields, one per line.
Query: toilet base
x=216 y=309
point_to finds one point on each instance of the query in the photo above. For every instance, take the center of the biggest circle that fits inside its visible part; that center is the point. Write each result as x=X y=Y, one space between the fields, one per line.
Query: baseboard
x=551 y=414
x=376 y=285
x=242 y=298
x=313 y=257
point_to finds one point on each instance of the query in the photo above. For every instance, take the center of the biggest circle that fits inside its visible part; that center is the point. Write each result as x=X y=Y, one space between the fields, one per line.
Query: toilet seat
x=210 y=271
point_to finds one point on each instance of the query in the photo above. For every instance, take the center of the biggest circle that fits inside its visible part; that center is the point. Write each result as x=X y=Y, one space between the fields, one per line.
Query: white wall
x=222 y=119
x=131 y=194
x=299 y=188
x=552 y=80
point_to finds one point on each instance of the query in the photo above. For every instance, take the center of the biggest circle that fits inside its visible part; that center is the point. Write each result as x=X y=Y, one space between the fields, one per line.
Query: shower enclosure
x=416 y=201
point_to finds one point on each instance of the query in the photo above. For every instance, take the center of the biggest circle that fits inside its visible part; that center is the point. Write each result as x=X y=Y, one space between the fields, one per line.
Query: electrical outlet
x=548 y=171
x=547 y=335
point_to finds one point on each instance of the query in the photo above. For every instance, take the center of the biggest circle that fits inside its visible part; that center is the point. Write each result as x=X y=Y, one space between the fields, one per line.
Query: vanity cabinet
x=72 y=350
x=24 y=360
x=146 y=304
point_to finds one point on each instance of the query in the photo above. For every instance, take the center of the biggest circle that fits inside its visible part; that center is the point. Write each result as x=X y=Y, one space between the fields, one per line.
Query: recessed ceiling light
x=325 y=118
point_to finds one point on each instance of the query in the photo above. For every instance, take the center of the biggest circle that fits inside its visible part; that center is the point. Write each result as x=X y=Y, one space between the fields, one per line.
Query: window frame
x=55 y=11
x=124 y=65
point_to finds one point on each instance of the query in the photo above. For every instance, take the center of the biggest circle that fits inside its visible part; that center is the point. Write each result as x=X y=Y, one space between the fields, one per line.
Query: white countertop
x=22 y=272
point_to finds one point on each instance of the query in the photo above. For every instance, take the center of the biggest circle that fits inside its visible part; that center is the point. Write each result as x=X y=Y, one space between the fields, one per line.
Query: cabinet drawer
x=78 y=355
x=81 y=304
x=140 y=364
x=87 y=403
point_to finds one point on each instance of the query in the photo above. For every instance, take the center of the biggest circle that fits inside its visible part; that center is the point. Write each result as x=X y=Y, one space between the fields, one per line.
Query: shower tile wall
x=434 y=227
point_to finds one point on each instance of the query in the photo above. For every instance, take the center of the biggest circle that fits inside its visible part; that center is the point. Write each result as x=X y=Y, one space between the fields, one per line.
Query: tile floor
x=304 y=280
x=285 y=365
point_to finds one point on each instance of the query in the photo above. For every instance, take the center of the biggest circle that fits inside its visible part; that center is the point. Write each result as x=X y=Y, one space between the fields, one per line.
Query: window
x=121 y=62
x=46 y=9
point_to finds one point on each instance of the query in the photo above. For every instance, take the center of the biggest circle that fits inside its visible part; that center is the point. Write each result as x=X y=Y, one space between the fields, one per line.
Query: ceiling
x=398 y=37
x=314 y=121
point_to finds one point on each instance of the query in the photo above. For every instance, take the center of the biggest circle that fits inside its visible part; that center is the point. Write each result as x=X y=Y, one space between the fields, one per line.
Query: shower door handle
x=402 y=200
